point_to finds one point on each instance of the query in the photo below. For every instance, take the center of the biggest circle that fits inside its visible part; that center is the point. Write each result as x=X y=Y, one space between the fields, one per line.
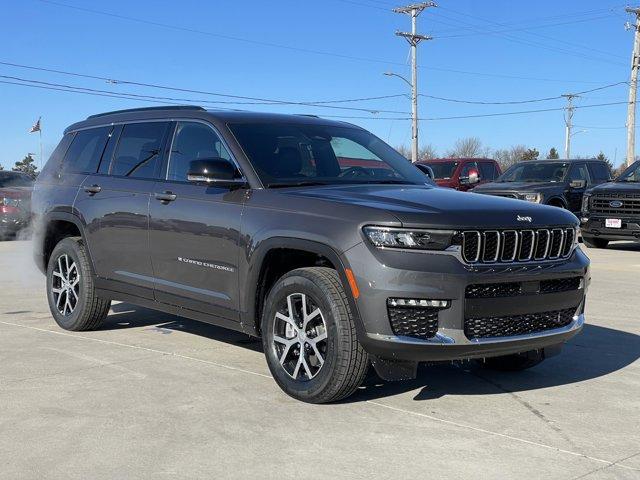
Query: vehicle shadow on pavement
x=598 y=351
x=125 y=315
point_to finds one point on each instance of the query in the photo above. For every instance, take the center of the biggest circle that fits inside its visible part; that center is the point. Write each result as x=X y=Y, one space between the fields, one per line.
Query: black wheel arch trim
x=248 y=313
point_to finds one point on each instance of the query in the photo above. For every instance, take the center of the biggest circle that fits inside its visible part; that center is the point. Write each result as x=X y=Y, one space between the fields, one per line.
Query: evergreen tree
x=26 y=165
x=553 y=154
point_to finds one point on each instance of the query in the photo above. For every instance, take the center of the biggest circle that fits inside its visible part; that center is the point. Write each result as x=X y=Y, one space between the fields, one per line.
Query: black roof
x=193 y=111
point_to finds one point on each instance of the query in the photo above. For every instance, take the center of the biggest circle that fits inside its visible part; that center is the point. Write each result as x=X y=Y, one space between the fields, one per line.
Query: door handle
x=166 y=197
x=93 y=189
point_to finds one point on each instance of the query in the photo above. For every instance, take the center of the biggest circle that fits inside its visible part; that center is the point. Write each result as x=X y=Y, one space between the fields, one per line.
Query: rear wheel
x=515 y=362
x=70 y=290
x=593 y=242
x=309 y=337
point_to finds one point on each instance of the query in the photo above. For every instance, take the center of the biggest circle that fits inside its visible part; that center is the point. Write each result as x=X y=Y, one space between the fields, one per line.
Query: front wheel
x=593 y=242
x=309 y=337
x=70 y=290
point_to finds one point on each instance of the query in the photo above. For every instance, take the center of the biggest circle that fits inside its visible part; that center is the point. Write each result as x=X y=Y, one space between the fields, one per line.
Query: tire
x=304 y=377
x=70 y=290
x=514 y=363
x=593 y=242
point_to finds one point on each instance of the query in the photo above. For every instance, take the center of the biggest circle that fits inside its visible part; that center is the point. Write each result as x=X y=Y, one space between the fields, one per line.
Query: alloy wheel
x=65 y=286
x=300 y=337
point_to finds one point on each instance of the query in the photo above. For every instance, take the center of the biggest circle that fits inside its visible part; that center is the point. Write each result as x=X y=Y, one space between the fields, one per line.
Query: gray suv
x=312 y=234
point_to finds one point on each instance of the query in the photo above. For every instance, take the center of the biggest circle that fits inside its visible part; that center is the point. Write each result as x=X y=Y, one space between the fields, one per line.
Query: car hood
x=516 y=186
x=611 y=187
x=416 y=205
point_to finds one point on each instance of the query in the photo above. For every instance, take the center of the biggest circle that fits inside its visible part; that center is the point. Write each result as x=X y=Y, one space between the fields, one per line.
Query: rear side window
x=600 y=172
x=579 y=172
x=193 y=141
x=139 y=150
x=488 y=171
x=55 y=160
x=86 y=150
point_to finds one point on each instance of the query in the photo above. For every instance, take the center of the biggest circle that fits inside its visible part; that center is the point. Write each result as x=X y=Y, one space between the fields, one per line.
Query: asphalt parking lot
x=155 y=396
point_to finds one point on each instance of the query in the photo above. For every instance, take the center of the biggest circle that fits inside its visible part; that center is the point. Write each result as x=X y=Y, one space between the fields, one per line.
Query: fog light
x=418 y=302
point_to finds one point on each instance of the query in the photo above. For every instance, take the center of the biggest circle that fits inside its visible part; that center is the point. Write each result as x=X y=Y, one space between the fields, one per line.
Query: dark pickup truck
x=559 y=183
x=612 y=211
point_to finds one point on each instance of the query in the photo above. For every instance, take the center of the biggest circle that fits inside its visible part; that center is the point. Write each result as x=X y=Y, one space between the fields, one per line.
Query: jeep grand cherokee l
x=313 y=234
x=611 y=211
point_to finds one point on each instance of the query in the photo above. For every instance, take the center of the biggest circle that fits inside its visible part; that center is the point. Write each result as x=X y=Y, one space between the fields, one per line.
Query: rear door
x=195 y=229
x=115 y=204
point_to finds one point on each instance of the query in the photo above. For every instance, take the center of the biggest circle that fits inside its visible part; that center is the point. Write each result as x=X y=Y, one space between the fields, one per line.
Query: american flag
x=36 y=127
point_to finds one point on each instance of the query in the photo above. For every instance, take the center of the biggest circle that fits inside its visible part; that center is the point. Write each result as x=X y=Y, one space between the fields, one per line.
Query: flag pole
x=41 y=158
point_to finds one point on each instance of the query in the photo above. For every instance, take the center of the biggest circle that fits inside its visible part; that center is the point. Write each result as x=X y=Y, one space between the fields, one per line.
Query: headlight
x=410 y=239
x=585 y=203
x=532 y=197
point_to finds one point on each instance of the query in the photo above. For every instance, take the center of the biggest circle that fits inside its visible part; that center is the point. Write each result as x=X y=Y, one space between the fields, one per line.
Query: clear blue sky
x=510 y=50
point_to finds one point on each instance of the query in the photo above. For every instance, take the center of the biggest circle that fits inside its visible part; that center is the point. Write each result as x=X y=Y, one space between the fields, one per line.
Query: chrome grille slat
x=517 y=246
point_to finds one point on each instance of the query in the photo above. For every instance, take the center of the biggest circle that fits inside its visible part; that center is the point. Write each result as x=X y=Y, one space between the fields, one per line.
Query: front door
x=194 y=229
x=574 y=195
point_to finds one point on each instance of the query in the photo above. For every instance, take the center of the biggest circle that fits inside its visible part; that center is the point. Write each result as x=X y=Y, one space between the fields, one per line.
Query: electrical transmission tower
x=633 y=88
x=414 y=38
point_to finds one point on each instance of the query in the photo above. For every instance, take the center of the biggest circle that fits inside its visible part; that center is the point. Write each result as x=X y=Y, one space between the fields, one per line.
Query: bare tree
x=509 y=156
x=427 y=152
x=470 y=147
x=404 y=151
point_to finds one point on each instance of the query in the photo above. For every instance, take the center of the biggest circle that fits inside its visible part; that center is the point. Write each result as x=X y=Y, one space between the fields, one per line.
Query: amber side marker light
x=352 y=283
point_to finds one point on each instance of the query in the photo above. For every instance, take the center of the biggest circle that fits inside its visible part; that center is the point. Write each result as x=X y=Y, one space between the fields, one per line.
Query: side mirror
x=427 y=170
x=472 y=179
x=577 y=184
x=214 y=171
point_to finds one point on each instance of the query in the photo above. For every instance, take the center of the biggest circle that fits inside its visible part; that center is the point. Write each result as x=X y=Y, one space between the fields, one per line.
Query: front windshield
x=536 y=172
x=286 y=155
x=631 y=174
x=9 y=179
x=443 y=170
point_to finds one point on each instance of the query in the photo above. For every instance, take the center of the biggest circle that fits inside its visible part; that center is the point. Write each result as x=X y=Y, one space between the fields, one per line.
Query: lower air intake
x=491 y=327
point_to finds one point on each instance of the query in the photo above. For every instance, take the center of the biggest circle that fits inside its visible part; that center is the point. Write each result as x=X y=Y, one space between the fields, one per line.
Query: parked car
x=611 y=211
x=559 y=183
x=264 y=224
x=15 y=195
x=462 y=173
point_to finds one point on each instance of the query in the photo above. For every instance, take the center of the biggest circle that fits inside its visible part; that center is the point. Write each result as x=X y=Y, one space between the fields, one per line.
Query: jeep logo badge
x=615 y=204
x=524 y=219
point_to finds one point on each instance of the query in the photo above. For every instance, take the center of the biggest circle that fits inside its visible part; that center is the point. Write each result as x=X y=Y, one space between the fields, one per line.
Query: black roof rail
x=147 y=109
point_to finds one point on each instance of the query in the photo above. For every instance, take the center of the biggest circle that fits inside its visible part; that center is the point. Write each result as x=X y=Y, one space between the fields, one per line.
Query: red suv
x=463 y=173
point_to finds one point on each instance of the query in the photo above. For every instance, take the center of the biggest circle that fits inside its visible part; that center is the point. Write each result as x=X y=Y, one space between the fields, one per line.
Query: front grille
x=510 y=246
x=417 y=322
x=601 y=203
x=509 y=326
x=515 y=289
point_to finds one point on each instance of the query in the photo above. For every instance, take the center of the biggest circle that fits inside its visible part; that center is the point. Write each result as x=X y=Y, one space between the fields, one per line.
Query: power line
x=294 y=48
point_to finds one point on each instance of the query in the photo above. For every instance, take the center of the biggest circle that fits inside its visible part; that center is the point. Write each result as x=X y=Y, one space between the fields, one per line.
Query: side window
x=599 y=172
x=55 y=160
x=139 y=150
x=488 y=171
x=193 y=141
x=579 y=172
x=86 y=150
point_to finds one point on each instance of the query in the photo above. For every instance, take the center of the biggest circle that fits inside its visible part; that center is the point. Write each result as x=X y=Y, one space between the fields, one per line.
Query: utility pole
x=414 y=38
x=633 y=88
x=568 y=121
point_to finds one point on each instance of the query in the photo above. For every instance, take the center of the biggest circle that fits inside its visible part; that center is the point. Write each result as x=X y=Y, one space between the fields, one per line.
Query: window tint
x=579 y=172
x=488 y=171
x=55 y=160
x=138 y=150
x=600 y=172
x=193 y=141
x=85 y=151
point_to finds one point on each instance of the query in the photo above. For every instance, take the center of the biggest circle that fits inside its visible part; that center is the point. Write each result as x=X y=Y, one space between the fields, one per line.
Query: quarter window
x=139 y=150
x=85 y=151
x=193 y=141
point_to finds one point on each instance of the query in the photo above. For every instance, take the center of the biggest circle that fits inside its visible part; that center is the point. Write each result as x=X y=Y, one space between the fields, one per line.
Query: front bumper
x=381 y=275
x=595 y=226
